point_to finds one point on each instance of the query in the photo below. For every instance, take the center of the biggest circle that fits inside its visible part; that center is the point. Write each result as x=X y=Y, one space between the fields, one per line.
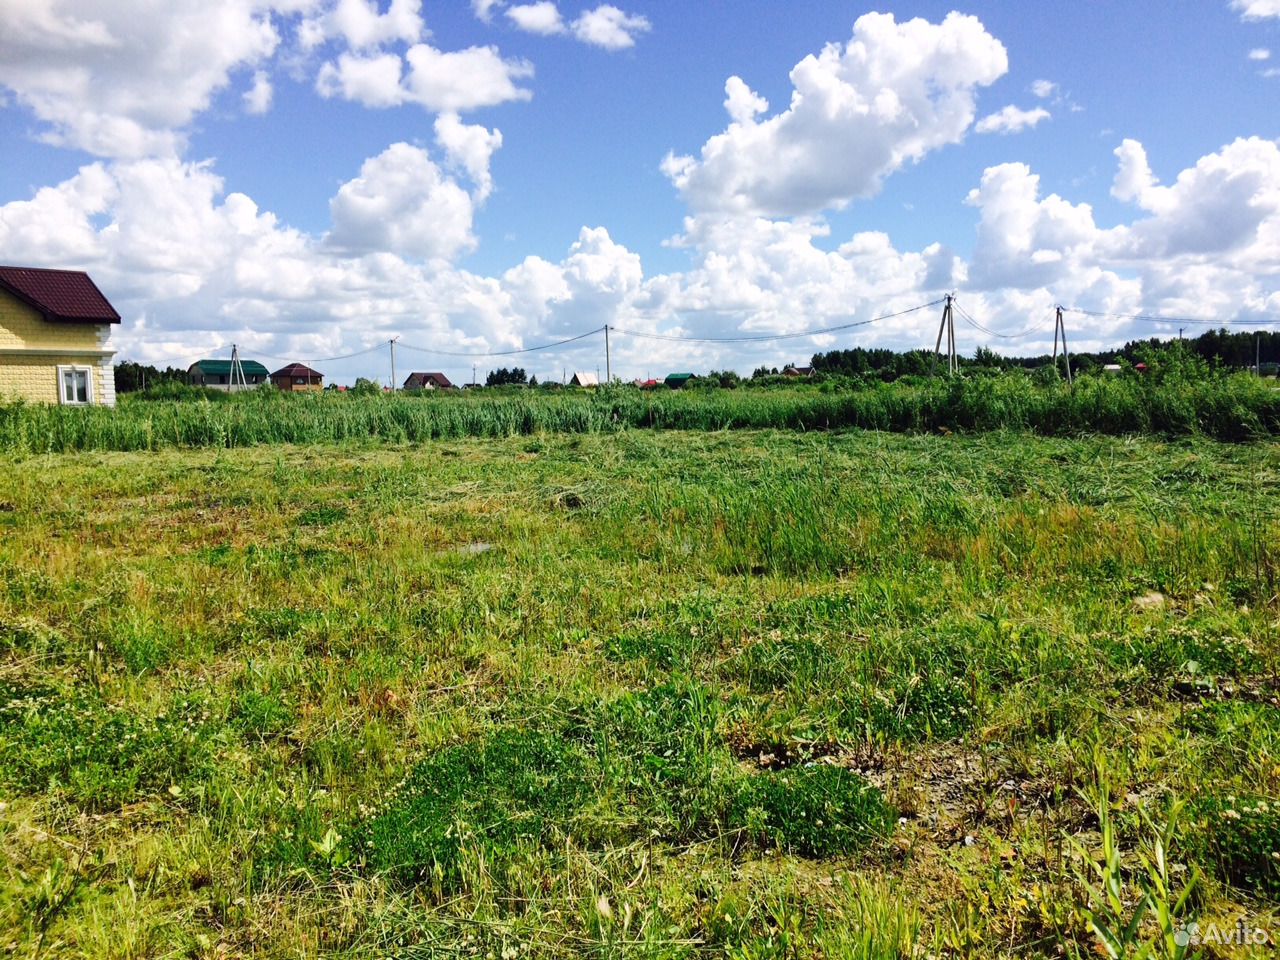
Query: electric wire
x=964 y=315
x=772 y=336
x=1155 y=318
x=501 y=353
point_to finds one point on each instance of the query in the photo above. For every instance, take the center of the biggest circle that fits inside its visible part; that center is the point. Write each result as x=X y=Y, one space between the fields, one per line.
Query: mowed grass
x=659 y=694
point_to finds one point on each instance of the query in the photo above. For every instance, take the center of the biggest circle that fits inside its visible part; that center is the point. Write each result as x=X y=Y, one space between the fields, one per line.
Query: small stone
x=1151 y=601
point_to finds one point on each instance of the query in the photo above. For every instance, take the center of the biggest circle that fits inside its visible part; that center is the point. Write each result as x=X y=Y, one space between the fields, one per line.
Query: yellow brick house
x=54 y=326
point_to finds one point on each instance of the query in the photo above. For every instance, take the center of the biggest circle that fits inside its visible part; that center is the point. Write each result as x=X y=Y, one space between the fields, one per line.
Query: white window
x=75 y=385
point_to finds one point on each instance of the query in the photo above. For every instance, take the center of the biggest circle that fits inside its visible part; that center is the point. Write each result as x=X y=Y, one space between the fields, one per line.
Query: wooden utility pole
x=608 y=367
x=1059 y=328
x=392 y=344
x=948 y=326
x=237 y=370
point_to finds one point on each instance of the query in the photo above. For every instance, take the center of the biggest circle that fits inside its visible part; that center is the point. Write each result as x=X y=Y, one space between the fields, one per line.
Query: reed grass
x=1233 y=408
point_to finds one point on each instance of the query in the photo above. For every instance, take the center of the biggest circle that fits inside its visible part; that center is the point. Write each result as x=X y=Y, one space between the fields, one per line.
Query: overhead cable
x=772 y=336
x=500 y=353
x=1154 y=318
x=964 y=315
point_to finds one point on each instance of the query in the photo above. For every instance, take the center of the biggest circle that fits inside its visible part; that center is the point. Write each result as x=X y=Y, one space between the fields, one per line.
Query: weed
x=514 y=788
x=97 y=754
x=1239 y=837
x=818 y=811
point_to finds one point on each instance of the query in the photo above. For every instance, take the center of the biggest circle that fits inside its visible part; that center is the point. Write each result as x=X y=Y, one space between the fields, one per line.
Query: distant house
x=581 y=378
x=427 y=381
x=298 y=378
x=1112 y=368
x=678 y=381
x=797 y=372
x=54 y=326
x=644 y=384
x=216 y=374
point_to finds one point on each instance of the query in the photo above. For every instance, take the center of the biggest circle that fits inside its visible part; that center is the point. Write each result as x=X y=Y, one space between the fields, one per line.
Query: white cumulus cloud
x=742 y=103
x=402 y=203
x=484 y=8
x=1257 y=9
x=1260 y=53
x=437 y=80
x=257 y=99
x=542 y=18
x=858 y=112
x=1011 y=119
x=469 y=148
x=608 y=27
x=1044 y=89
x=124 y=79
x=362 y=26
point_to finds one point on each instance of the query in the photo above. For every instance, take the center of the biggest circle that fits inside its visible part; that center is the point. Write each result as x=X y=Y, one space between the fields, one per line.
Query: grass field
x=751 y=694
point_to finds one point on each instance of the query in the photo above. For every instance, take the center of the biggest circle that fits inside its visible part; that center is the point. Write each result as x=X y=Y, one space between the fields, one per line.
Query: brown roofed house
x=298 y=378
x=427 y=381
x=54 y=326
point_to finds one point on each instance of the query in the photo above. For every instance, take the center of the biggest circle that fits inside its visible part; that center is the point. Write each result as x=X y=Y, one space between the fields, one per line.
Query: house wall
x=286 y=384
x=32 y=349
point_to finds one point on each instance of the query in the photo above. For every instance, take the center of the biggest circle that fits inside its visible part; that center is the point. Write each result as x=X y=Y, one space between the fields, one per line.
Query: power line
x=344 y=356
x=1154 y=318
x=964 y=315
x=502 y=353
x=774 y=336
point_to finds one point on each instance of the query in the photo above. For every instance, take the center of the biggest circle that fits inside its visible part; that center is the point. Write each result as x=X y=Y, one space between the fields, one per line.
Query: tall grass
x=1225 y=408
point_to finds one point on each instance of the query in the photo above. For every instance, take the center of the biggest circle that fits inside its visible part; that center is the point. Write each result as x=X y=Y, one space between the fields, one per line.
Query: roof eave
x=52 y=317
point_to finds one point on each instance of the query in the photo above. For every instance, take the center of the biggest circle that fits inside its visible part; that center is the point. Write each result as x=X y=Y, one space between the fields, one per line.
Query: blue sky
x=309 y=178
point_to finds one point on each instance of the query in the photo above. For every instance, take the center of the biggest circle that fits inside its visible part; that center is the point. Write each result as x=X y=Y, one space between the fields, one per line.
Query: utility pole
x=1060 y=327
x=473 y=374
x=608 y=366
x=948 y=326
x=392 y=344
x=237 y=370
x=1257 y=354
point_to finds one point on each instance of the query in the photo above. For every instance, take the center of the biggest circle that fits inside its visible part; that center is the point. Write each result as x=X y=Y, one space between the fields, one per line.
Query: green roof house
x=678 y=381
x=217 y=374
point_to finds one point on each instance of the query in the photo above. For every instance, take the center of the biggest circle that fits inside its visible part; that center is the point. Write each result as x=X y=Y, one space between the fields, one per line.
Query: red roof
x=65 y=295
x=297 y=370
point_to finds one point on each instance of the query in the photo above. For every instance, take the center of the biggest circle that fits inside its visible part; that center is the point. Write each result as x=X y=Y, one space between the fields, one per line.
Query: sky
x=310 y=179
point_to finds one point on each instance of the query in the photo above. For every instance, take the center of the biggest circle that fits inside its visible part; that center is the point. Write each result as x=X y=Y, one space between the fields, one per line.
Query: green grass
x=1235 y=408
x=630 y=692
